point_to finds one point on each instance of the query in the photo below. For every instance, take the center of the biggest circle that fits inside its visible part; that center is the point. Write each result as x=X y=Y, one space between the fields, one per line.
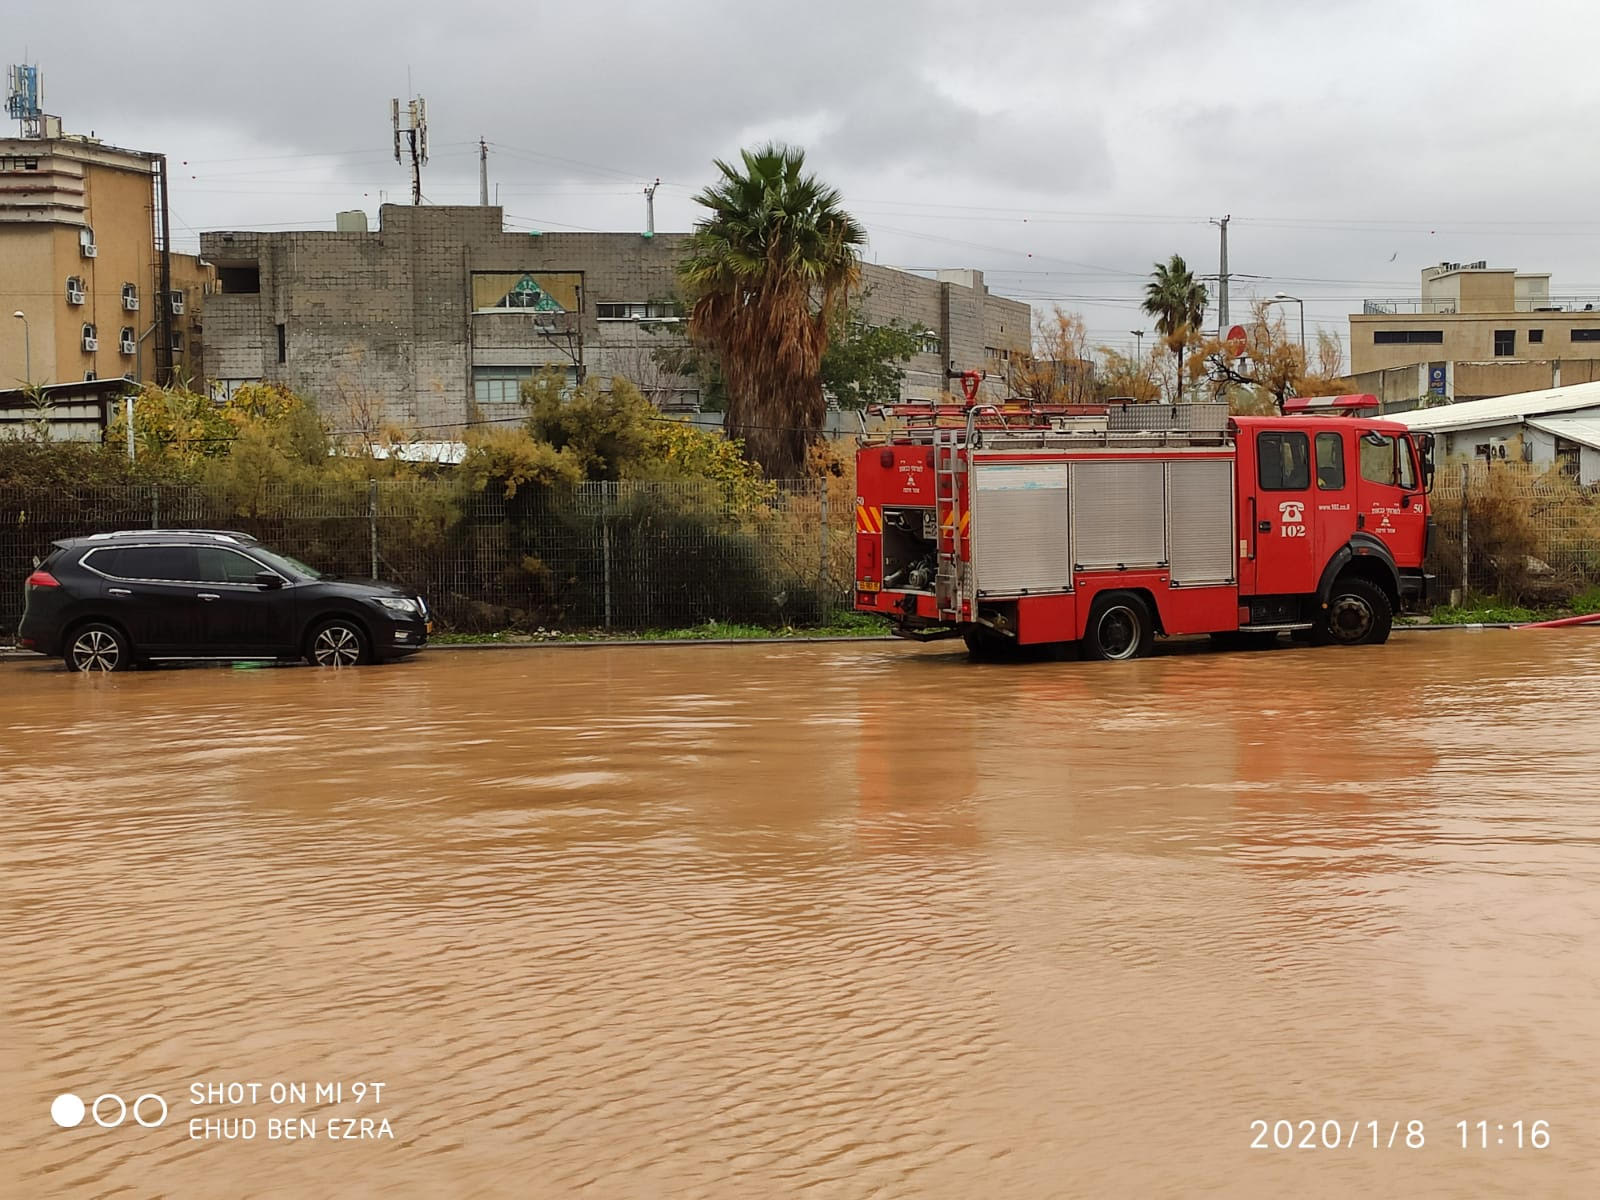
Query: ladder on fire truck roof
x=948 y=464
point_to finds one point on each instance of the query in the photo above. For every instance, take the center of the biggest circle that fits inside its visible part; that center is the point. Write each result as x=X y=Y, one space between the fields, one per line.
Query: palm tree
x=766 y=273
x=1177 y=300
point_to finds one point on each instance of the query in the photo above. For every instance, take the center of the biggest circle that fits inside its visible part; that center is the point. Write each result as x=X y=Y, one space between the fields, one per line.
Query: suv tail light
x=43 y=579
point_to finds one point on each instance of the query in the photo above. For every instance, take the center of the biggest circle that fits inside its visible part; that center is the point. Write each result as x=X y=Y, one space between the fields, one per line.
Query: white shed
x=1545 y=427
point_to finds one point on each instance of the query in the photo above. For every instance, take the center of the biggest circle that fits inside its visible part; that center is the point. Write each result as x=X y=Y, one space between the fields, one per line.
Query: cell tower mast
x=22 y=100
x=415 y=135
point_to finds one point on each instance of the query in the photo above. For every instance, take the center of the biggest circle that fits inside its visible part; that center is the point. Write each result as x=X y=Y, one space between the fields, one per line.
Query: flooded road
x=831 y=920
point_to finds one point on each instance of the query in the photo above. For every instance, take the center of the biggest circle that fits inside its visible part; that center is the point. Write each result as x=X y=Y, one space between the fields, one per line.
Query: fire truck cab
x=1110 y=525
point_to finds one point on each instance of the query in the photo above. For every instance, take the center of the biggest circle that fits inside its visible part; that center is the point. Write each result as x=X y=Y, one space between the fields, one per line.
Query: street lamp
x=27 y=346
x=1138 y=343
x=1281 y=296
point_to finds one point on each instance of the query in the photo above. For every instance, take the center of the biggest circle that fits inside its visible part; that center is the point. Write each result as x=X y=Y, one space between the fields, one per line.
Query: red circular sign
x=1236 y=339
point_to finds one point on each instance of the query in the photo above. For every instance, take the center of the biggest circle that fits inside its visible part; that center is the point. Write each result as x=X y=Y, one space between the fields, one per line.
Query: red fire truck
x=1108 y=525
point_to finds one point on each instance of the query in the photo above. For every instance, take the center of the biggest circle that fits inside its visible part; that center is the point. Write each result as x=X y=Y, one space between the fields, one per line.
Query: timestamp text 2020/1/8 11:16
x=1395 y=1135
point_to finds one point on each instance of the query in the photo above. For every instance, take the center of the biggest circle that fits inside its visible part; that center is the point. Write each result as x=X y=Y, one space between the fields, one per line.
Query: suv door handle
x=209 y=596
x=118 y=592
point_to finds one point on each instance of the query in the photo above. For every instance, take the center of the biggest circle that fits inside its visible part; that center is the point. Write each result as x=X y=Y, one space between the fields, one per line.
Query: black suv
x=110 y=600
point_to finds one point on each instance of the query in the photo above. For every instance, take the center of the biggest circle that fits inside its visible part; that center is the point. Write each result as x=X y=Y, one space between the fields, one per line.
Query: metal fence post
x=605 y=544
x=155 y=506
x=824 y=597
x=372 y=522
x=1464 y=585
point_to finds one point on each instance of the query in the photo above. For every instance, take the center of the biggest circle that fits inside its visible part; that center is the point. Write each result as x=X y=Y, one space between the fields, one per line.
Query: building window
x=1408 y=337
x=125 y=340
x=1505 y=343
x=1586 y=335
x=640 y=311
x=1330 y=461
x=177 y=342
x=1535 y=336
x=130 y=297
x=283 y=343
x=239 y=280
x=499 y=385
x=1283 y=462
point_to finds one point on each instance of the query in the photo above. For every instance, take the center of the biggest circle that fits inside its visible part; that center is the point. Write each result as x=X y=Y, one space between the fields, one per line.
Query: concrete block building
x=434 y=319
x=1474 y=331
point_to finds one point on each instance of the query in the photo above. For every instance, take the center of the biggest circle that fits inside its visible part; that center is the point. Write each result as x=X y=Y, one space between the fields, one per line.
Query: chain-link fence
x=609 y=555
x=1514 y=530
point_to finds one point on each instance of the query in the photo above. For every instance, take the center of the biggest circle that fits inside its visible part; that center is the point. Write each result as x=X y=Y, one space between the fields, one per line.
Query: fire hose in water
x=1585 y=619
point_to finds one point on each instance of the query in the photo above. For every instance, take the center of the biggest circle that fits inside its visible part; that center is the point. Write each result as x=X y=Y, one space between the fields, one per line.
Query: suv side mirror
x=269 y=580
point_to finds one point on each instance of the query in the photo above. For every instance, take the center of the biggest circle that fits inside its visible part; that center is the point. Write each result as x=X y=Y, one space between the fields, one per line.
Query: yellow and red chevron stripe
x=869 y=519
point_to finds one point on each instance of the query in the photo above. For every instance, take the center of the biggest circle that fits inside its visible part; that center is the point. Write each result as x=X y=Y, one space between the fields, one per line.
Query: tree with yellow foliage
x=1271 y=366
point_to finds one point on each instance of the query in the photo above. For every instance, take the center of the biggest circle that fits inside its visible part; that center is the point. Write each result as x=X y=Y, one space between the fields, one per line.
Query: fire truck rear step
x=1287 y=627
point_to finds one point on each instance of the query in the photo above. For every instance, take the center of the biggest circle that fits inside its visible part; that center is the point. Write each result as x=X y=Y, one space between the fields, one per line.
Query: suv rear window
x=146 y=562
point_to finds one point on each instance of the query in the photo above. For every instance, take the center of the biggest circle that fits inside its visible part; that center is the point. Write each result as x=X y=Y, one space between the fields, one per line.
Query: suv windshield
x=284 y=564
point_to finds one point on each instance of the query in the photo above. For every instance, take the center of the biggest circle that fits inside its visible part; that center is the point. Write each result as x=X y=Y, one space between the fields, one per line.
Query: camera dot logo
x=66 y=1110
x=109 y=1110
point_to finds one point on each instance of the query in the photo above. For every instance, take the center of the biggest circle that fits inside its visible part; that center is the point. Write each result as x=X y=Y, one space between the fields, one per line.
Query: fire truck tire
x=1358 y=614
x=1120 y=627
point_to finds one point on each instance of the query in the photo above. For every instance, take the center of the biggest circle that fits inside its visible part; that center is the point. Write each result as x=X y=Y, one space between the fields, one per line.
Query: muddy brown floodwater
x=831 y=920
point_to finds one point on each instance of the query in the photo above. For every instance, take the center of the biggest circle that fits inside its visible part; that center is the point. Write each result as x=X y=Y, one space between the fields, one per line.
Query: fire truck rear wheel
x=1358 y=614
x=1120 y=626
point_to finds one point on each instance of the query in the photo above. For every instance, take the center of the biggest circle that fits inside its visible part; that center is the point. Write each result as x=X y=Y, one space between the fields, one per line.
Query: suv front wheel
x=337 y=643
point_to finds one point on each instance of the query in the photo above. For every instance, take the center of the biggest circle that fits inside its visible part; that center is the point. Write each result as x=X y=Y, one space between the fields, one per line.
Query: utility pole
x=483 y=172
x=1222 y=278
x=415 y=133
x=650 y=208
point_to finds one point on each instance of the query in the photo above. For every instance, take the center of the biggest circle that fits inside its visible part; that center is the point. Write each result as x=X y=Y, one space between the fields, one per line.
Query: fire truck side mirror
x=1425 y=453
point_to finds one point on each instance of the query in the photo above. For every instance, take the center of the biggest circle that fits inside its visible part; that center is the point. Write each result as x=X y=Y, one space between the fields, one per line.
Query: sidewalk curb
x=599 y=642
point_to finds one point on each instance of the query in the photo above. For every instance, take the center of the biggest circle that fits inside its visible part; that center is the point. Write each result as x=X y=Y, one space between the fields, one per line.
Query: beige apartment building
x=1475 y=330
x=84 y=257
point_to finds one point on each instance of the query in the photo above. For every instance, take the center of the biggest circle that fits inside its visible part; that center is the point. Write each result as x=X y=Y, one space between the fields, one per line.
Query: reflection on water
x=848 y=920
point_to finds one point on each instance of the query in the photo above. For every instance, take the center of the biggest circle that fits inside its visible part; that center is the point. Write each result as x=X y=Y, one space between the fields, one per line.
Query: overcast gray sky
x=1060 y=147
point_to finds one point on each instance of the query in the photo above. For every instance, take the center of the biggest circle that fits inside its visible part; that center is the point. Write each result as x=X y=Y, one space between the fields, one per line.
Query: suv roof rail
x=232 y=535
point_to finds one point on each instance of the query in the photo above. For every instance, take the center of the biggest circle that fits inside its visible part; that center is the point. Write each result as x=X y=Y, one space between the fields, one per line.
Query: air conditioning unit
x=90 y=343
x=89 y=249
x=74 y=290
x=126 y=344
x=130 y=297
x=176 y=300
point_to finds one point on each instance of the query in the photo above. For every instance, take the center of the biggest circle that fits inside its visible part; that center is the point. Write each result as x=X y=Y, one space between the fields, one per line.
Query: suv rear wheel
x=98 y=647
x=337 y=643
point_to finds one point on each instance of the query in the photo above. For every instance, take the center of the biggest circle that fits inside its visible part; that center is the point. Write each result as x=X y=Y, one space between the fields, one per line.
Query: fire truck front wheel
x=1120 y=626
x=1358 y=614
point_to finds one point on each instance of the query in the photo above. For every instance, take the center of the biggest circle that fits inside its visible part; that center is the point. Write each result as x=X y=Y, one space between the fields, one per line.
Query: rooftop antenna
x=650 y=208
x=483 y=171
x=22 y=99
x=414 y=134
